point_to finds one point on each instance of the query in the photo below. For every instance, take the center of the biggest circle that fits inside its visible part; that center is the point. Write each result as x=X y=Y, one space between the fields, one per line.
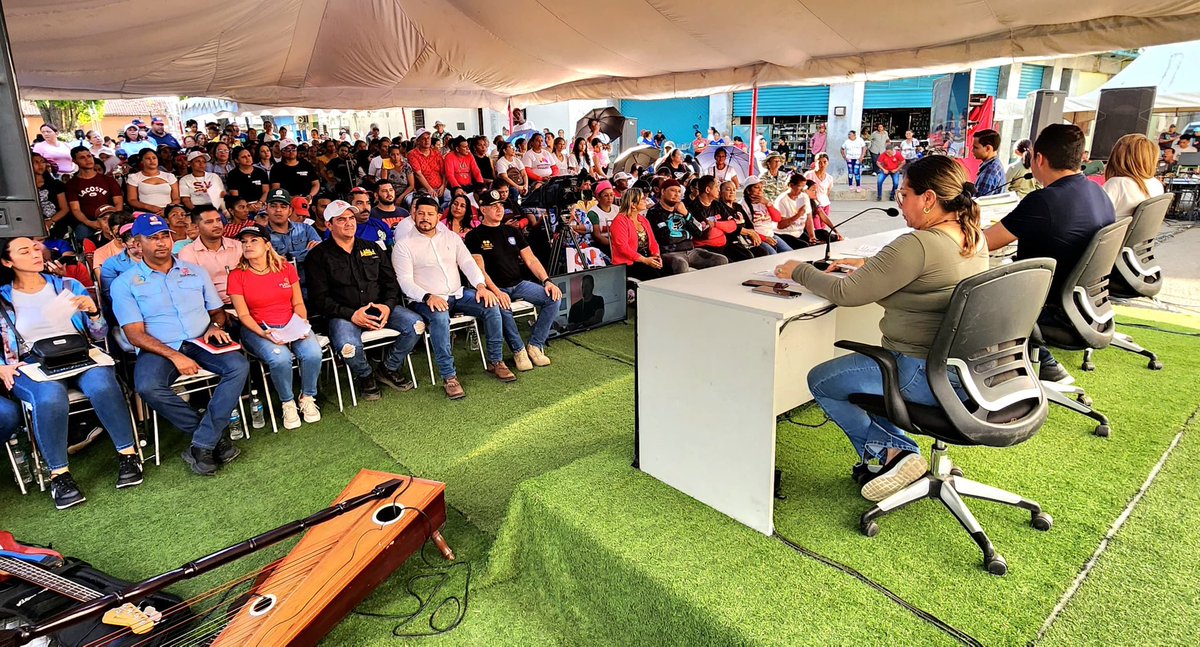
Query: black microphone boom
x=1027 y=176
x=824 y=263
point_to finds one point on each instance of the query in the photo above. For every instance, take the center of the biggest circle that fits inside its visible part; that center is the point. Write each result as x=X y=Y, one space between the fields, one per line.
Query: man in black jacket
x=352 y=284
x=675 y=228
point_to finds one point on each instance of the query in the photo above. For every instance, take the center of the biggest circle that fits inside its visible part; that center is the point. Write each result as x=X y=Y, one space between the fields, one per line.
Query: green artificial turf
x=583 y=550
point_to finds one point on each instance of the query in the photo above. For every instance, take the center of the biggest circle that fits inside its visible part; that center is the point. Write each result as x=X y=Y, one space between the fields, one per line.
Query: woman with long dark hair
x=36 y=306
x=264 y=157
x=151 y=188
x=913 y=278
x=460 y=216
x=54 y=151
x=52 y=194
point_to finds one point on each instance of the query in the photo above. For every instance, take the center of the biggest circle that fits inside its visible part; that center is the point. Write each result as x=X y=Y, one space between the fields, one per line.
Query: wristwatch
x=546 y=280
x=213 y=324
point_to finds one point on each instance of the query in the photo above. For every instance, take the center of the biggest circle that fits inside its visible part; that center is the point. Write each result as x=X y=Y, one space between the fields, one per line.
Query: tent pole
x=753 y=129
x=508 y=105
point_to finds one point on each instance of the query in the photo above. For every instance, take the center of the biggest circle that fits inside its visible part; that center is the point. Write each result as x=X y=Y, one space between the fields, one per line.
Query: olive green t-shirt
x=912 y=278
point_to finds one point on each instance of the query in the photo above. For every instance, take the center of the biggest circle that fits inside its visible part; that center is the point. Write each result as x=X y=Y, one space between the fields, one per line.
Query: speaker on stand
x=1042 y=108
x=1121 y=111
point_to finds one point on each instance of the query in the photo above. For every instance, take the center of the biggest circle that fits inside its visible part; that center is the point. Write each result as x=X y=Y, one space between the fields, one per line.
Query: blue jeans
x=49 y=400
x=10 y=419
x=153 y=375
x=780 y=246
x=343 y=333
x=854 y=172
x=879 y=184
x=278 y=359
x=547 y=313
x=832 y=382
x=439 y=330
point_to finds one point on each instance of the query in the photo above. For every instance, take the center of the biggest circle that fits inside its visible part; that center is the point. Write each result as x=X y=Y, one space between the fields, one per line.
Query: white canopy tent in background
x=368 y=54
x=1174 y=70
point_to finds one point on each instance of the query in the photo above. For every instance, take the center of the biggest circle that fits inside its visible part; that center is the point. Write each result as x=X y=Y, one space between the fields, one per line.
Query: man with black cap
x=428 y=258
x=352 y=284
x=501 y=250
x=294 y=175
x=163 y=304
x=675 y=228
x=291 y=240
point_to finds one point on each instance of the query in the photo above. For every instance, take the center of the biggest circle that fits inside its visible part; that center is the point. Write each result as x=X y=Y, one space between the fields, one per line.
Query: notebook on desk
x=96 y=357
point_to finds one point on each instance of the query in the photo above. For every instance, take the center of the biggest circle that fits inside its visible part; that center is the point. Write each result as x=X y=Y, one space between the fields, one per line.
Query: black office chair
x=1135 y=273
x=1083 y=317
x=984 y=337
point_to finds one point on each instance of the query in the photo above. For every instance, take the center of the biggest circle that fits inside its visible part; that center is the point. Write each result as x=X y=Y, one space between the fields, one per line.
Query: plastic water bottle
x=257 y=419
x=473 y=339
x=235 y=426
x=24 y=469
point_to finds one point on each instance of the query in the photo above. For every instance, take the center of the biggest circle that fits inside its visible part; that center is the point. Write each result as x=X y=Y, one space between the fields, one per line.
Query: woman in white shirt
x=561 y=159
x=539 y=163
x=1129 y=177
x=510 y=169
x=151 y=189
x=723 y=170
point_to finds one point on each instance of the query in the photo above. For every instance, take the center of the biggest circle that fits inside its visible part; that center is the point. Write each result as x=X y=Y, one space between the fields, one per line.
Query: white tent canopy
x=1174 y=70
x=368 y=54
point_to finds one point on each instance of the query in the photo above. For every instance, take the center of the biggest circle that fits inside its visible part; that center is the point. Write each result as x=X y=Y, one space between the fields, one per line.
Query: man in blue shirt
x=163 y=306
x=990 y=179
x=370 y=228
x=158 y=133
x=1056 y=222
x=291 y=240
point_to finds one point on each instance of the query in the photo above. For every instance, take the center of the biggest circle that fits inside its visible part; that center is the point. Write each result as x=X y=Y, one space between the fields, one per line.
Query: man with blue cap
x=170 y=310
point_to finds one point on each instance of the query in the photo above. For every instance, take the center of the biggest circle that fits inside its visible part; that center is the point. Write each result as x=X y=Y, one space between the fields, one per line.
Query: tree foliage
x=68 y=116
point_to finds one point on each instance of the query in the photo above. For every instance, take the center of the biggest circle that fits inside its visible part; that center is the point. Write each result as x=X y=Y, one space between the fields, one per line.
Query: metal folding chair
x=457 y=323
x=326 y=356
x=372 y=339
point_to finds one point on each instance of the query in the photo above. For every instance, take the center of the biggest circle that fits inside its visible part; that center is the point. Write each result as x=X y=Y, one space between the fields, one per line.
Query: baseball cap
x=622 y=176
x=601 y=186
x=337 y=208
x=125 y=229
x=300 y=205
x=253 y=230
x=670 y=183
x=157 y=120
x=148 y=224
x=195 y=154
x=106 y=150
x=105 y=209
x=360 y=190
x=420 y=131
x=489 y=198
x=280 y=195
x=287 y=142
x=130 y=125
x=122 y=153
x=750 y=181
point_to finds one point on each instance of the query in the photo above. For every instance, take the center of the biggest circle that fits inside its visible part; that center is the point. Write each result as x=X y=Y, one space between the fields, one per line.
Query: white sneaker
x=521 y=360
x=291 y=418
x=538 y=356
x=308 y=406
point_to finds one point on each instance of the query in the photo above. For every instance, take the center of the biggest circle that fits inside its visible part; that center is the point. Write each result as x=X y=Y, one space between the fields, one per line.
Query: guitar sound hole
x=262 y=605
x=388 y=514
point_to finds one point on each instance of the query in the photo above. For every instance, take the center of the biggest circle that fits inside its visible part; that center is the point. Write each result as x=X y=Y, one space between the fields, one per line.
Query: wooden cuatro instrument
x=348 y=550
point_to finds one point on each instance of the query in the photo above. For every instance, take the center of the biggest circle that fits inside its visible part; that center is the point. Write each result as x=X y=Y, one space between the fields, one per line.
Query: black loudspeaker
x=1042 y=108
x=1122 y=111
x=19 y=212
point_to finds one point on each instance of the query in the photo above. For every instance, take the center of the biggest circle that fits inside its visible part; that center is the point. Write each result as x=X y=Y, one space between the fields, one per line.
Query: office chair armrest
x=893 y=401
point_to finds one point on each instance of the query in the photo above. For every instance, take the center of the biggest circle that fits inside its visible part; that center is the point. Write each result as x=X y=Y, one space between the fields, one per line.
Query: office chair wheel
x=1154 y=365
x=1041 y=521
x=1088 y=366
x=1084 y=399
x=996 y=565
x=1103 y=431
x=956 y=471
x=870 y=528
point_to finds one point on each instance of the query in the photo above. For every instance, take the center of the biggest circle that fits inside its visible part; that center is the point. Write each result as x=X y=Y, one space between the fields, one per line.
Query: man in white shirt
x=427 y=258
x=1184 y=145
x=853 y=151
x=195 y=187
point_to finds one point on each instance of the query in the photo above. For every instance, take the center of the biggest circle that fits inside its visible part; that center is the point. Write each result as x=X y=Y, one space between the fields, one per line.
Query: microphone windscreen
x=1028 y=176
x=892 y=211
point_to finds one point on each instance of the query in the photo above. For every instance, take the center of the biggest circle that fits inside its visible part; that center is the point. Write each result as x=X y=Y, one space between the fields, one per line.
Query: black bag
x=30 y=604
x=62 y=350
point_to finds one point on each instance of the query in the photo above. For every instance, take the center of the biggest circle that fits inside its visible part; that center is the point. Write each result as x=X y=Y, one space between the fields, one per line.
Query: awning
x=1173 y=70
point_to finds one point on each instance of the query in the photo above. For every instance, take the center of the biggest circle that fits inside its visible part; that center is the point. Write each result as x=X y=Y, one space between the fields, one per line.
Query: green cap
x=279 y=195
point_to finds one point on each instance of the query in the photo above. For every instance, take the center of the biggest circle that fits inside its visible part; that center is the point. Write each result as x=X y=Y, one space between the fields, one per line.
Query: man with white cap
x=159 y=135
x=428 y=166
x=621 y=182
x=294 y=175
x=351 y=283
x=134 y=142
x=439 y=134
x=198 y=187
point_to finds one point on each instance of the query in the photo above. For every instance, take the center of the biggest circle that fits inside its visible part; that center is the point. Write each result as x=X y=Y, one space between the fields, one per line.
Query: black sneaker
x=368 y=388
x=862 y=471
x=129 y=470
x=201 y=460
x=897 y=474
x=1055 y=373
x=225 y=451
x=394 y=379
x=64 y=491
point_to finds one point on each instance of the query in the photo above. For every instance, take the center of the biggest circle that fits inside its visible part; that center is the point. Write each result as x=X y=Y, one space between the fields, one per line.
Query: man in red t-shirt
x=88 y=191
x=428 y=166
x=889 y=163
x=462 y=172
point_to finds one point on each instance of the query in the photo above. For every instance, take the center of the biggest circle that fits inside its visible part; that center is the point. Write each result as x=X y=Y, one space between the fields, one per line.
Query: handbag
x=52 y=352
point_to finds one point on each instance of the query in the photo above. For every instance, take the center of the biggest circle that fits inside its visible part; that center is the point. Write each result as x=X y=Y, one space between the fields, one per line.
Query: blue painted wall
x=784 y=102
x=677 y=118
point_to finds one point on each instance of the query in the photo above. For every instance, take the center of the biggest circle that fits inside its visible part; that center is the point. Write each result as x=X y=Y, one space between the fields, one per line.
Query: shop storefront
x=791 y=116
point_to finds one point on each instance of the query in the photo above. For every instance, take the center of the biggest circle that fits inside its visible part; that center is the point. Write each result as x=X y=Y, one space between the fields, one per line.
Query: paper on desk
x=863 y=251
x=296 y=328
x=769 y=275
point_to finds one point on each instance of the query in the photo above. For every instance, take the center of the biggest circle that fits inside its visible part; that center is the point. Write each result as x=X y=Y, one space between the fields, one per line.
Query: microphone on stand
x=1027 y=176
x=824 y=263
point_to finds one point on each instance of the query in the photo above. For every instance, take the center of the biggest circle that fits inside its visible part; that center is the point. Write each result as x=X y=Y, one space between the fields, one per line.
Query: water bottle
x=235 y=426
x=473 y=339
x=257 y=419
x=24 y=470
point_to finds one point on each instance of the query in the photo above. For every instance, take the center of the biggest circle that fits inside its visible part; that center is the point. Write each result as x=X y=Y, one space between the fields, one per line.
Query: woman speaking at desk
x=912 y=278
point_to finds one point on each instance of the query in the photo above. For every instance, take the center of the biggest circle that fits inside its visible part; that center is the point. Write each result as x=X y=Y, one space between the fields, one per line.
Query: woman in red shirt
x=265 y=290
x=462 y=171
x=633 y=243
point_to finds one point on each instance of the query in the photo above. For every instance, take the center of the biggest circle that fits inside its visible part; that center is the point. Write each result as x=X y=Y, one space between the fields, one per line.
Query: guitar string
x=46 y=579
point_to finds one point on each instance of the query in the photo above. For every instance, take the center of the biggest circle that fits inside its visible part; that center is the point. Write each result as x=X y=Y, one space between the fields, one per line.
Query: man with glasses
x=295 y=175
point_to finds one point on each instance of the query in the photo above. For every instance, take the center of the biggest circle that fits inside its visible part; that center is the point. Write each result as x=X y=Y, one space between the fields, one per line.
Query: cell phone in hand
x=374 y=311
x=219 y=343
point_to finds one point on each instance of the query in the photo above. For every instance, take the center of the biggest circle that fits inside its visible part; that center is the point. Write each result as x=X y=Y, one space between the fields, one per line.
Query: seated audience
x=151 y=188
x=1129 y=177
x=462 y=172
x=1056 y=222
x=511 y=170
x=195 y=187
x=371 y=229
x=763 y=216
x=460 y=216
x=353 y=286
x=429 y=169
x=913 y=278
x=796 y=212
x=212 y=250
x=428 y=258
x=676 y=230
x=39 y=306
x=291 y=240
x=163 y=305
x=501 y=252
x=265 y=290
x=1014 y=176
x=633 y=243
x=726 y=235
x=385 y=209
x=990 y=178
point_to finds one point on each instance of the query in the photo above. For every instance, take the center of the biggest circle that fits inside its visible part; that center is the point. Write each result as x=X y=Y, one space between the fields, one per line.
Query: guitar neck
x=47 y=580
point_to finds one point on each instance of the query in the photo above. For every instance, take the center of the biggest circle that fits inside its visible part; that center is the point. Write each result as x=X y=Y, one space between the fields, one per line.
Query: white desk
x=716 y=364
